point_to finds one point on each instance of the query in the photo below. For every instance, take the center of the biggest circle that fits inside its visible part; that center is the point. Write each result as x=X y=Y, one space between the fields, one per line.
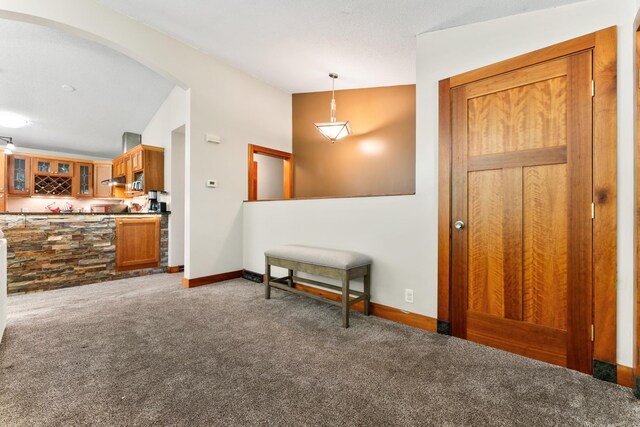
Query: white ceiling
x=113 y=93
x=294 y=44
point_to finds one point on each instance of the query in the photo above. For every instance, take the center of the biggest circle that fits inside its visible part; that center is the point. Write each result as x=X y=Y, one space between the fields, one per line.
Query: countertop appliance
x=154 y=203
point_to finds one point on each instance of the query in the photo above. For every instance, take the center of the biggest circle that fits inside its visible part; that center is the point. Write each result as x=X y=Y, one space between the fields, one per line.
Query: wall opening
x=177 y=193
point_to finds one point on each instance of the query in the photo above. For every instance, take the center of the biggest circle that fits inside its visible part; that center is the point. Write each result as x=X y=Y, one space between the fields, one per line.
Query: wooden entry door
x=522 y=211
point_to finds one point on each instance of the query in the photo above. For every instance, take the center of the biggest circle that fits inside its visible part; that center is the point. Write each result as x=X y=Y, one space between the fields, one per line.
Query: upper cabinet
x=138 y=171
x=52 y=167
x=101 y=179
x=19 y=172
x=143 y=170
x=83 y=180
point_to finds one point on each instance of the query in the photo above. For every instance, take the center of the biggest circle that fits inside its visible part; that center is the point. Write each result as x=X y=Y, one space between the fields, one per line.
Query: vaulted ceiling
x=113 y=93
x=294 y=44
x=290 y=44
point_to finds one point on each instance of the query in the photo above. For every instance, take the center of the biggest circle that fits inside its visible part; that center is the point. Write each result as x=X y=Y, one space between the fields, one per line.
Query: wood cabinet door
x=137 y=243
x=522 y=211
x=3 y=172
x=83 y=180
x=137 y=163
x=102 y=173
x=19 y=174
x=64 y=168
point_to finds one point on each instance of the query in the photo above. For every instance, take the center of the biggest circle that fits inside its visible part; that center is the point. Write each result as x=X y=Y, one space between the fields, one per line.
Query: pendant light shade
x=8 y=149
x=333 y=130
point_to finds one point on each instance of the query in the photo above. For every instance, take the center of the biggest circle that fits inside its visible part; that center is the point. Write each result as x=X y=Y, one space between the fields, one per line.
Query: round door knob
x=459 y=225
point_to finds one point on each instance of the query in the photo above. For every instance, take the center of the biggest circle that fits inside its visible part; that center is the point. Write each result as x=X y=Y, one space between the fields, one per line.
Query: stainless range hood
x=130 y=140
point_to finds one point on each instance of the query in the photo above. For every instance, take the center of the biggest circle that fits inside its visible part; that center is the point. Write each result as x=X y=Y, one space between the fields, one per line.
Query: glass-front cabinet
x=83 y=180
x=52 y=167
x=19 y=174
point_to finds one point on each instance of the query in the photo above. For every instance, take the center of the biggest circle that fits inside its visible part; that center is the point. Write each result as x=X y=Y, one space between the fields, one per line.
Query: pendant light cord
x=333 y=97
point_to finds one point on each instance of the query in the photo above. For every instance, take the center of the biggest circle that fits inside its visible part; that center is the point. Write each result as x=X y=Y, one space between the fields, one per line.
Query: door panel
x=545 y=235
x=522 y=184
x=509 y=120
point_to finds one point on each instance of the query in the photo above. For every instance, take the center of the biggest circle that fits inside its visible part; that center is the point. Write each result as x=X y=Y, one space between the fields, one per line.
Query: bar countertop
x=86 y=213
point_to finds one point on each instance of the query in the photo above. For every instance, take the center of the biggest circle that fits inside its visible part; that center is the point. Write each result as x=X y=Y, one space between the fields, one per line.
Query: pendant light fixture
x=8 y=149
x=334 y=130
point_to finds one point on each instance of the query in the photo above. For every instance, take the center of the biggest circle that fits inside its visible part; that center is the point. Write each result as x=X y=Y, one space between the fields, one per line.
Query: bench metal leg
x=267 y=278
x=367 y=291
x=290 y=281
x=345 y=300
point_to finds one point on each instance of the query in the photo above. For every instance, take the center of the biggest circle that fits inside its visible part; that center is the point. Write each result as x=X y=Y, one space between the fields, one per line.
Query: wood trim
x=625 y=376
x=175 y=269
x=207 y=280
x=636 y=216
x=605 y=194
x=459 y=188
x=361 y=196
x=390 y=313
x=518 y=78
x=580 y=251
x=252 y=168
x=444 y=200
x=604 y=46
x=537 y=156
x=536 y=57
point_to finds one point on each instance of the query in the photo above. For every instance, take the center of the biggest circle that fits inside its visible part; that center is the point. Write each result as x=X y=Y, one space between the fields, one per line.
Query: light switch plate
x=212 y=183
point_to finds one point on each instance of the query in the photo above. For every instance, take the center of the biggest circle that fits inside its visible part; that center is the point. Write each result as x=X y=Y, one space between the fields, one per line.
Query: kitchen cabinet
x=120 y=166
x=148 y=167
x=101 y=176
x=19 y=172
x=47 y=166
x=83 y=180
x=52 y=177
x=137 y=163
x=137 y=243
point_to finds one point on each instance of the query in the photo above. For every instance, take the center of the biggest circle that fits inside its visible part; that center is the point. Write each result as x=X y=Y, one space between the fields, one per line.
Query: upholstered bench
x=335 y=264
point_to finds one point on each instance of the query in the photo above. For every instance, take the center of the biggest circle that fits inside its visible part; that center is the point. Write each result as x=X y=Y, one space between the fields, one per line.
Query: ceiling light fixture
x=334 y=130
x=8 y=149
x=12 y=120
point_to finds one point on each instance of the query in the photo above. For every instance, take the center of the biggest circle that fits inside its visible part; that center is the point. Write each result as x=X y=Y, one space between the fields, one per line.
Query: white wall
x=172 y=114
x=401 y=232
x=270 y=177
x=223 y=101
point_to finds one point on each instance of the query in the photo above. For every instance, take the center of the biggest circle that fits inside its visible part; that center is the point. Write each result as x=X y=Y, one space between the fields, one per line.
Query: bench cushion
x=344 y=260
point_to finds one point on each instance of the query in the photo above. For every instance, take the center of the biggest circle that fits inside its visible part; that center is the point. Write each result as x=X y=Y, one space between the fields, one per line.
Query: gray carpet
x=146 y=351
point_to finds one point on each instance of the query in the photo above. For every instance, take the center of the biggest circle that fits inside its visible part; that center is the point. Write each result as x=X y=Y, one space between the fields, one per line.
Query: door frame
x=603 y=43
x=287 y=182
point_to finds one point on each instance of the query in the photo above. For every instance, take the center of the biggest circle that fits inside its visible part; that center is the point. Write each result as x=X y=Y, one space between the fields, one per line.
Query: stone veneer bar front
x=51 y=251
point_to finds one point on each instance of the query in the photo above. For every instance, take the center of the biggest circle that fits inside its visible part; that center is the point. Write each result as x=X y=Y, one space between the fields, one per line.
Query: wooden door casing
x=522 y=182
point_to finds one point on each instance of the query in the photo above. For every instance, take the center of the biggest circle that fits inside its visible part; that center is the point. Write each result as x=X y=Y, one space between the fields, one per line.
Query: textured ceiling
x=113 y=93
x=294 y=44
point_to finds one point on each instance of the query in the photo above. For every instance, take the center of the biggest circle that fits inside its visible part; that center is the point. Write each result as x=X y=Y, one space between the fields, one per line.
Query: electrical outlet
x=408 y=295
x=212 y=183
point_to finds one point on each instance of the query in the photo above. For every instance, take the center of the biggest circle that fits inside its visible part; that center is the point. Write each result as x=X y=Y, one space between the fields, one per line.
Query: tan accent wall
x=377 y=158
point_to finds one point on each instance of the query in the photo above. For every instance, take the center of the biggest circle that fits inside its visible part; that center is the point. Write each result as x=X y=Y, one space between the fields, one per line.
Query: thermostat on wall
x=213 y=138
x=212 y=183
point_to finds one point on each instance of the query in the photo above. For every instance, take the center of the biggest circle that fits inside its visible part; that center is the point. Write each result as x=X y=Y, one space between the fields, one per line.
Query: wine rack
x=52 y=185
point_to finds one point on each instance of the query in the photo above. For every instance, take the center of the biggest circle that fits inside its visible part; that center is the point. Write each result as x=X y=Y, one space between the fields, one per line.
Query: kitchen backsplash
x=39 y=204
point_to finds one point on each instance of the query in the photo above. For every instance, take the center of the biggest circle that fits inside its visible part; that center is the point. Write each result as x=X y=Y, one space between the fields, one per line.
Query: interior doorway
x=270 y=174
x=177 y=204
x=527 y=223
